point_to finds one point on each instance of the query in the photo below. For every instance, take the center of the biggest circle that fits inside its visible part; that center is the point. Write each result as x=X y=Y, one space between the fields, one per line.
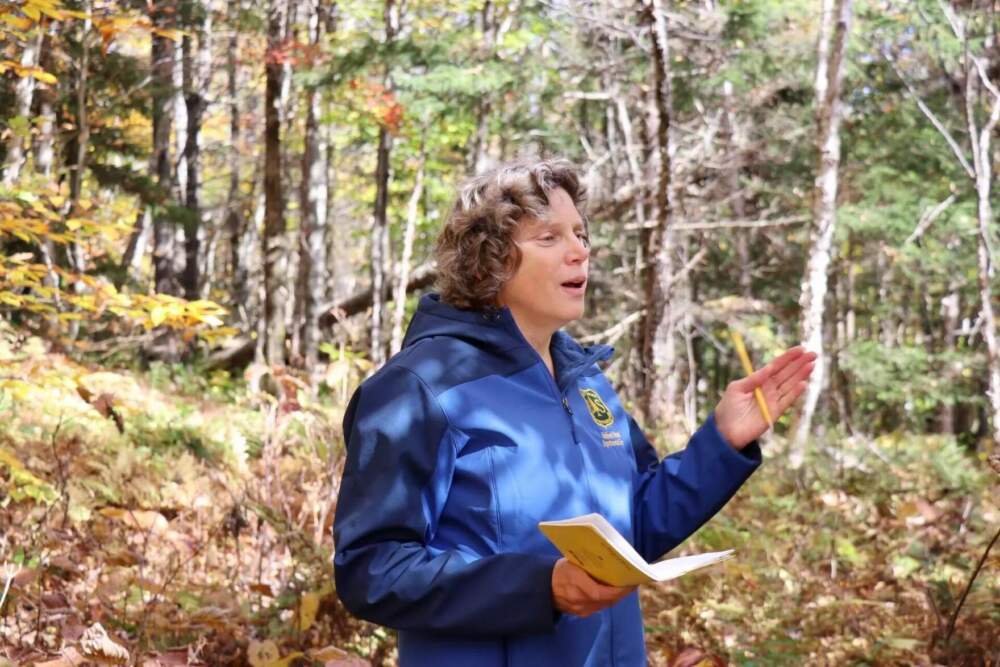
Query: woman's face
x=547 y=291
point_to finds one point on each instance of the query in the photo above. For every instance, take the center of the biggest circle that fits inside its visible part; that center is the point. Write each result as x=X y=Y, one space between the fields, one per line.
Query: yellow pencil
x=741 y=350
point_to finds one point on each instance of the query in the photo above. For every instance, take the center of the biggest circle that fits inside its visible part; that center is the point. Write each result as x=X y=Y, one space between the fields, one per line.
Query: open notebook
x=592 y=543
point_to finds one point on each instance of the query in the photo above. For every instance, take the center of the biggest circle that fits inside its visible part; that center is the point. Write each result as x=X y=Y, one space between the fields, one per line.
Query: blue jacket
x=457 y=448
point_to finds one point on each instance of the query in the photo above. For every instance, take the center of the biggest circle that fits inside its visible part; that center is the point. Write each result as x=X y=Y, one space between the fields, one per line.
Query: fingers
x=785 y=366
x=575 y=592
x=790 y=390
x=791 y=374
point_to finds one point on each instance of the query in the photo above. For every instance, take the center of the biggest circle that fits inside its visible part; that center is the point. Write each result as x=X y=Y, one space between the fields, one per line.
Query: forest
x=217 y=217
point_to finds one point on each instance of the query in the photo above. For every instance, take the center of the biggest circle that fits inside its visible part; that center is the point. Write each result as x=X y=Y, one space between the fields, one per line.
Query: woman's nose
x=579 y=250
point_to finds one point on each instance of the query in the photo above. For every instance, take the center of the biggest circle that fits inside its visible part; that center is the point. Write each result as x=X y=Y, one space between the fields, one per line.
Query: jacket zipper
x=512 y=326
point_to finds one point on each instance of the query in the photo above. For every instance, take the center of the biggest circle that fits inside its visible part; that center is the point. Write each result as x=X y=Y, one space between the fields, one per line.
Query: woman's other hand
x=738 y=417
x=576 y=592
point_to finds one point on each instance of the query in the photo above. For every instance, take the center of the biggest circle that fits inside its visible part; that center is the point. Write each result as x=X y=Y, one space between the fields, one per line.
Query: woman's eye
x=584 y=239
x=547 y=237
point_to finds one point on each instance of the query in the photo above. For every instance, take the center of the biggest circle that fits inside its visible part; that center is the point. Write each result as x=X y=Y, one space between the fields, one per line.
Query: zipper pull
x=565 y=402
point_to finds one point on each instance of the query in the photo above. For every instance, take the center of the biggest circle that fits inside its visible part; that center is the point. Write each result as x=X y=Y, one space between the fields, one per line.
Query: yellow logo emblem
x=598 y=410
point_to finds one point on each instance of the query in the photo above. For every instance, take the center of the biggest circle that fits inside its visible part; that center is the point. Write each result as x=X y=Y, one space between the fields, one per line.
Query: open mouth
x=574 y=284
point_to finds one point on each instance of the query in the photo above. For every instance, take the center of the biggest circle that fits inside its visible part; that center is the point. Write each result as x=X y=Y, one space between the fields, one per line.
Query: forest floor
x=188 y=513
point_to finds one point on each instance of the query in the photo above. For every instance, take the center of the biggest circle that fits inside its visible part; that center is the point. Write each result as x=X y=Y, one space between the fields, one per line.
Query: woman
x=492 y=419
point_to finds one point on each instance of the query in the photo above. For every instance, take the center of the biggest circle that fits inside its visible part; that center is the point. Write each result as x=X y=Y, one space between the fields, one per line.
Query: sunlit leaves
x=23 y=71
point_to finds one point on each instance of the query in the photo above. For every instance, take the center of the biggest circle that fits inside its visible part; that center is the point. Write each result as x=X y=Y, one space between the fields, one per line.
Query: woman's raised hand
x=738 y=417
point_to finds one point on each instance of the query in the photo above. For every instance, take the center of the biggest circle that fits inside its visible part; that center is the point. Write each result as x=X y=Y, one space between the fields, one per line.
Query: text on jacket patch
x=612 y=438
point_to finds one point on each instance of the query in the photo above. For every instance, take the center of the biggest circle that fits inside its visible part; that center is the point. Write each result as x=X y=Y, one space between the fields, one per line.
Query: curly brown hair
x=476 y=253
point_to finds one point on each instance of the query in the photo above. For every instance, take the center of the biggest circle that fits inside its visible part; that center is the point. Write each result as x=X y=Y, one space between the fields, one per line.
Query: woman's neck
x=540 y=338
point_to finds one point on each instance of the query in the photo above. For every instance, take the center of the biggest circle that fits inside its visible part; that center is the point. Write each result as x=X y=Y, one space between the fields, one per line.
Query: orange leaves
x=17 y=22
x=293 y=52
x=104 y=404
x=378 y=102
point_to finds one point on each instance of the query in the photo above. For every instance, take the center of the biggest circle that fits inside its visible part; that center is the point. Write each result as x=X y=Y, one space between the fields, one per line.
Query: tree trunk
x=312 y=237
x=47 y=99
x=44 y=157
x=180 y=158
x=834 y=30
x=403 y=269
x=78 y=155
x=235 y=201
x=24 y=91
x=985 y=265
x=733 y=160
x=275 y=291
x=380 y=246
x=197 y=77
x=334 y=231
x=162 y=66
x=659 y=348
x=478 y=156
x=380 y=260
x=949 y=315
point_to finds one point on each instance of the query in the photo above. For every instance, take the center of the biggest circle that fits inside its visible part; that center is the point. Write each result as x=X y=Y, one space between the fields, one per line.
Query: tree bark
x=162 y=66
x=275 y=261
x=659 y=345
x=24 y=91
x=479 y=154
x=312 y=237
x=235 y=200
x=197 y=76
x=734 y=146
x=78 y=156
x=380 y=260
x=984 y=251
x=835 y=26
x=403 y=269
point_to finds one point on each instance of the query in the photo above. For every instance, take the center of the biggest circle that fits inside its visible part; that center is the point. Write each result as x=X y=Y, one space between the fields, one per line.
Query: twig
x=12 y=572
x=928 y=217
x=60 y=468
x=938 y=125
x=934 y=607
x=968 y=587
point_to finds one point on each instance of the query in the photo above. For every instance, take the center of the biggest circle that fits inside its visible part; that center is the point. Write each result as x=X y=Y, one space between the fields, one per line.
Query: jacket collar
x=496 y=330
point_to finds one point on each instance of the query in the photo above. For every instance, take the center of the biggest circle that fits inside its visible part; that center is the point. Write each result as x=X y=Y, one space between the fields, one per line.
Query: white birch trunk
x=831 y=50
x=24 y=91
x=403 y=272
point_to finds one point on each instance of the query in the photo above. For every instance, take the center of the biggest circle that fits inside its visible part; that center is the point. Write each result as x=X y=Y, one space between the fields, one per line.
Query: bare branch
x=728 y=224
x=928 y=217
x=938 y=125
x=612 y=334
x=958 y=28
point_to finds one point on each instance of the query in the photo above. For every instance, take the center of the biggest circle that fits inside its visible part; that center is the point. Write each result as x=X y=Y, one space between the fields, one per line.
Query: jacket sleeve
x=400 y=458
x=674 y=497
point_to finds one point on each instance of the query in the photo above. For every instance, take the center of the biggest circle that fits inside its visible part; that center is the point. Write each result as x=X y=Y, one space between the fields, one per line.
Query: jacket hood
x=496 y=331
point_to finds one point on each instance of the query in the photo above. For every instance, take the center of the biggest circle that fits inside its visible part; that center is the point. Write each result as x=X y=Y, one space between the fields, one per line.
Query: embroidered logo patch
x=598 y=410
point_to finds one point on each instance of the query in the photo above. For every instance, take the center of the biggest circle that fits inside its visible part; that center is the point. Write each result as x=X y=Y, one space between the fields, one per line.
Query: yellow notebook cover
x=593 y=544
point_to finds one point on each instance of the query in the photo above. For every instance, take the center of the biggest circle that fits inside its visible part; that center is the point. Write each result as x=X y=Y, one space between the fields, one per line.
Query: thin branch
x=609 y=336
x=965 y=593
x=959 y=29
x=938 y=125
x=728 y=224
x=928 y=218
